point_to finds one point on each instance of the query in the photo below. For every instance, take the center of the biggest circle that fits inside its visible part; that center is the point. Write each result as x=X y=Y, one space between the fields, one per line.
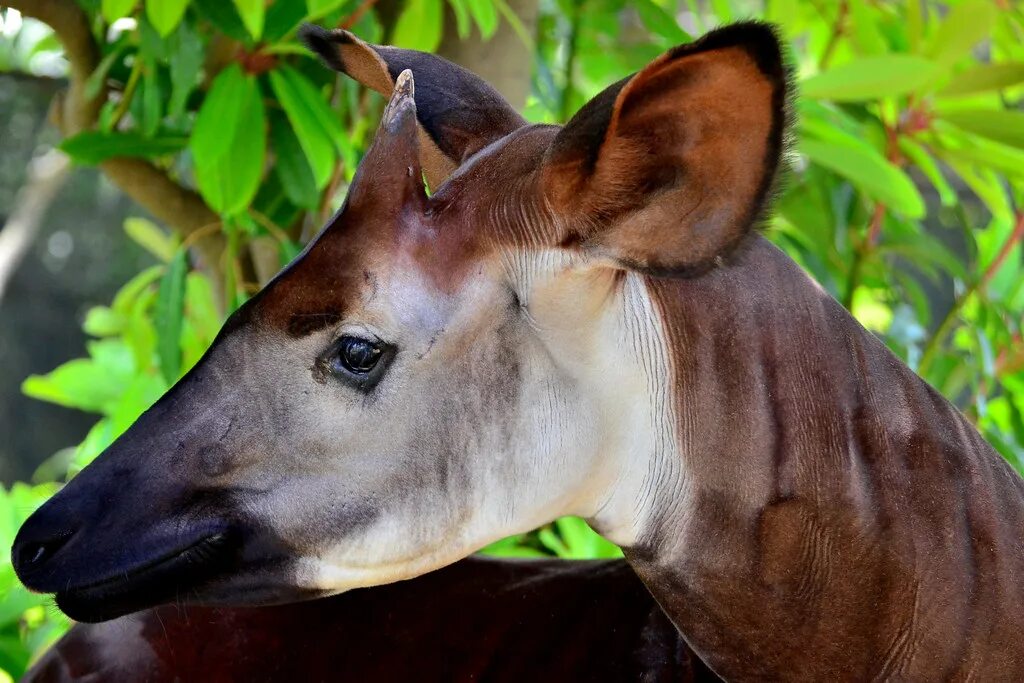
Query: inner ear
x=670 y=169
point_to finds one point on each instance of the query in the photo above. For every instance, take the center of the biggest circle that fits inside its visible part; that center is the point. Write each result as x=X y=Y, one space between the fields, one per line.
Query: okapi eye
x=357 y=361
x=358 y=356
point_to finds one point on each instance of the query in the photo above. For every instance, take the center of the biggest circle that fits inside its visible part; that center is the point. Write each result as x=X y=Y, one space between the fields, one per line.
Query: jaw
x=222 y=565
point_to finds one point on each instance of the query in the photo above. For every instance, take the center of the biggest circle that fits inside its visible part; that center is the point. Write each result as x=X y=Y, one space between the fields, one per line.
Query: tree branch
x=46 y=175
x=180 y=208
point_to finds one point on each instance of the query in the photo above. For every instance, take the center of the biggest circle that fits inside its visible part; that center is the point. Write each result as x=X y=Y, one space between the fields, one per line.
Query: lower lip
x=154 y=583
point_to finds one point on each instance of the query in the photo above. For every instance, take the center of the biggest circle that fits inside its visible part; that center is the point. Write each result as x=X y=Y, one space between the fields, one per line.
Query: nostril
x=33 y=554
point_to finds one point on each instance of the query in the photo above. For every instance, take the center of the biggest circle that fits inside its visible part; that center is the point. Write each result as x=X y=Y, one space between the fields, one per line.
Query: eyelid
x=360 y=332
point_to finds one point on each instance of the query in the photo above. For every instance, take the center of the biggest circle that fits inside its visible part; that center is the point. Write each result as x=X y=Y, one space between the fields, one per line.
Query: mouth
x=169 y=577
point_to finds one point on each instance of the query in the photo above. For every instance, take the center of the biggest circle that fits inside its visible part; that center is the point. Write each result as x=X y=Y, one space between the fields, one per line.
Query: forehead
x=390 y=264
x=385 y=248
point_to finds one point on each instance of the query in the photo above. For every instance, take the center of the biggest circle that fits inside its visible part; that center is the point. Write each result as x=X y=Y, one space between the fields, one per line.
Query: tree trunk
x=504 y=61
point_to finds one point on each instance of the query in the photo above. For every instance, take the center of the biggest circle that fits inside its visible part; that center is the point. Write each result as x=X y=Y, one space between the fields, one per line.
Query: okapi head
x=436 y=371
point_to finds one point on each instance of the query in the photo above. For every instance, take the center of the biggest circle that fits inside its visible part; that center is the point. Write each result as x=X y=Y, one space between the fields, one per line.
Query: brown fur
x=478 y=620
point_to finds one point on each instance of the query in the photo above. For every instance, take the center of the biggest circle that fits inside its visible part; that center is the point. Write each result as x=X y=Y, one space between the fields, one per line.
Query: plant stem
x=565 y=108
x=357 y=14
x=838 y=27
x=861 y=252
x=944 y=328
x=127 y=94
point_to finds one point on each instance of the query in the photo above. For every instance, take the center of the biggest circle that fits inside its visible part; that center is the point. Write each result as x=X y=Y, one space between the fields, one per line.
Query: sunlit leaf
x=229 y=141
x=965 y=25
x=113 y=10
x=485 y=15
x=461 y=13
x=164 y=15
x=868 y=171
x=252 y=13
x=419 y=24
x=920 y=157
x=660 y=22
x=870 y=78
x=983 y=78
x=150 y=237
x=301 y=104
x=1000 y=125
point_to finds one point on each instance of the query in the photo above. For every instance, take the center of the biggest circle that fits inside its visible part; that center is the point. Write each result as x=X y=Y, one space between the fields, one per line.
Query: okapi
x=477 y=620
x=577 y=320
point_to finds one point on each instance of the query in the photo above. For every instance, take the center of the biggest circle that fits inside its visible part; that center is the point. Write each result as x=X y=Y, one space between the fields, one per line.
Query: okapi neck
x=840 y=518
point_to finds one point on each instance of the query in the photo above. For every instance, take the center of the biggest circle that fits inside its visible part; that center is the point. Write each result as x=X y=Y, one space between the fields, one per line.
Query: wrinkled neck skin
x=800 y=503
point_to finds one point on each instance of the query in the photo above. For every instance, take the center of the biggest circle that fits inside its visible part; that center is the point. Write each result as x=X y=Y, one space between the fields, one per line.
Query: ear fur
x=668 y=170
x=459 y=114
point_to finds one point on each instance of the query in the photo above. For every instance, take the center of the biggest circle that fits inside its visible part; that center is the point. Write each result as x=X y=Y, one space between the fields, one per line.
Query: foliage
x=903 y=193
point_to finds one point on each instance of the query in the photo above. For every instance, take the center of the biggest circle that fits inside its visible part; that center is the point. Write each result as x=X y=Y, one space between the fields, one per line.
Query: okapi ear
x=390 y=174
x=668 y=170
x=459 y=113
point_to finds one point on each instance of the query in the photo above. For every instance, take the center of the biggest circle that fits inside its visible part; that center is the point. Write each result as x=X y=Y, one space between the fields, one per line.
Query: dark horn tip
x=402 y=102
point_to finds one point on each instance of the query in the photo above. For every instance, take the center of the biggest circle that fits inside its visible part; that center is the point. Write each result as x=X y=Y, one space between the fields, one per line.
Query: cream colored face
x=490 y=418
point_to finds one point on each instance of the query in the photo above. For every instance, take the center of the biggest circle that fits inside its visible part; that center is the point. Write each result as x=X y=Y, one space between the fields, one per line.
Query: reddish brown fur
x=478 y=620
x=884 y=537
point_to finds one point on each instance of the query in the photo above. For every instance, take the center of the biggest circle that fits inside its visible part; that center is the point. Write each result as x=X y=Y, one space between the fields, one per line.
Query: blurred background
x=160 y=159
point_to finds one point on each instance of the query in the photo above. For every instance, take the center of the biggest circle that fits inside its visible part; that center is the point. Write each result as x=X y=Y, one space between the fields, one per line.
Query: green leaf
x=153 y=98
x=92 y=147
x=955 y=143
x=983 y=78
x=292 y=168
x=113 y=10
x=150 y=237
x=318 y=8
x=218 y=116
x=101 y=321
x=869 y=172
x=660 y=22
x=920 y=157
x=461 y=13
x=484 y=13
x=201 y=307
x=915 y=25
x=185 y=67
x=965 y=25
x=229 y=142
x=170 y=308
x=312 y=120
x=864 y=28
x=419 y=24
x=130 y=291
x=252 y=12
x=223 y=15
x=164 y=15
x=80 y=383
x=282 y=18
x=870 y=78
x=1000 y=125
x=98 y=77
x=984 y=183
